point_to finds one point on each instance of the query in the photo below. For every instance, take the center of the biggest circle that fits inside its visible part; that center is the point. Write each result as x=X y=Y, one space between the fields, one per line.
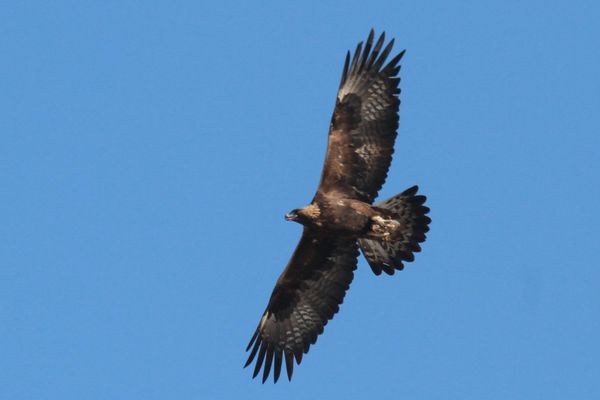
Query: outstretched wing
x=364 y=123
x=307 y=295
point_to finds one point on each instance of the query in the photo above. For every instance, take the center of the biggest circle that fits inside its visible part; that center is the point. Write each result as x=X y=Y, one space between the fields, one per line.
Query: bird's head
x=305 y=215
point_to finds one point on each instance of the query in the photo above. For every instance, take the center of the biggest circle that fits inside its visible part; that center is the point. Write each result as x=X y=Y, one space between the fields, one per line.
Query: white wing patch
x=264 y=319
x=367 y=150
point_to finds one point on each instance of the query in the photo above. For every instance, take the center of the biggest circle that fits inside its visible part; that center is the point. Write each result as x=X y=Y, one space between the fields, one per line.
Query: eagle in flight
x=341 y=218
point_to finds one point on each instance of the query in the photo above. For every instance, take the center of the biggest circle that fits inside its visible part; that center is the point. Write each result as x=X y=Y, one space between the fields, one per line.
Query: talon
x=383 y=228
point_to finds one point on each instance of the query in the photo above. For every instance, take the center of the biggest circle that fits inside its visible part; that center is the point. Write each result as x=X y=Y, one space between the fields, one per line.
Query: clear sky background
x=149 y=150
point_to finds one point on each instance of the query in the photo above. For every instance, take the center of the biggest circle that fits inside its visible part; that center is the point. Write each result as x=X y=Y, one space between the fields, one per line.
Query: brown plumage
x=341 y=218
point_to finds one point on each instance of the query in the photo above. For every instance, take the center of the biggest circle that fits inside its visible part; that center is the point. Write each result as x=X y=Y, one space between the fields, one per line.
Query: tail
x=407 y=208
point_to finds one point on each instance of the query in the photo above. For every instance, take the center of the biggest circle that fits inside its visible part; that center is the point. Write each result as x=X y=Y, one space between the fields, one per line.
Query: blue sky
x=149 y=151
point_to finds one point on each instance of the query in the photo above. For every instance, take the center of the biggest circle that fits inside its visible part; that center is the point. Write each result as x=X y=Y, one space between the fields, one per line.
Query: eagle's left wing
x=363 y=125
x=307 y=295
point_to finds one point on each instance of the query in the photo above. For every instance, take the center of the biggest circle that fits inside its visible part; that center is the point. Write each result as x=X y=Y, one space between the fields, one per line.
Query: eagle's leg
x=382 y=228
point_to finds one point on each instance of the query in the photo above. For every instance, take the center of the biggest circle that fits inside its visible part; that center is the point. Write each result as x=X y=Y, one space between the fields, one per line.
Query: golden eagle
x=341 y=218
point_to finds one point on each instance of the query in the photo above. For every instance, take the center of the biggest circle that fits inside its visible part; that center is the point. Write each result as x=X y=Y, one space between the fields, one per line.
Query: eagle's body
x=336 y=214
x=341 y=218
x=349 y=217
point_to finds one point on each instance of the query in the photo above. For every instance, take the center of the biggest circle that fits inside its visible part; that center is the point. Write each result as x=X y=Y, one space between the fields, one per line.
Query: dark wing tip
x=356 y=57
x=411 y=191
x=392 y=67
x=366 y=54
x=371 y=36
x=268 y=362
x=369 y=57
x=384 y=54
x=375 y=52
x=252 y=340
x=289 y=364
x=260 y=359
x=345 y=71
x=277 y=366
x=254 y=349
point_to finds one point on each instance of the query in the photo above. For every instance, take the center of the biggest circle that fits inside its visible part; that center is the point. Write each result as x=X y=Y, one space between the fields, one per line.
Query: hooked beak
x=291 y=216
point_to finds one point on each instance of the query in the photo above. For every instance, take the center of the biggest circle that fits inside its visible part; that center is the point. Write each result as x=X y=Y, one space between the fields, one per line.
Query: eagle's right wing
x=307 y=295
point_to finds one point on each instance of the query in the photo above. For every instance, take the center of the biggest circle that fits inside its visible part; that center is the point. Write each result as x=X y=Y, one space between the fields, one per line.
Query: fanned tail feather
x=388 y=255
